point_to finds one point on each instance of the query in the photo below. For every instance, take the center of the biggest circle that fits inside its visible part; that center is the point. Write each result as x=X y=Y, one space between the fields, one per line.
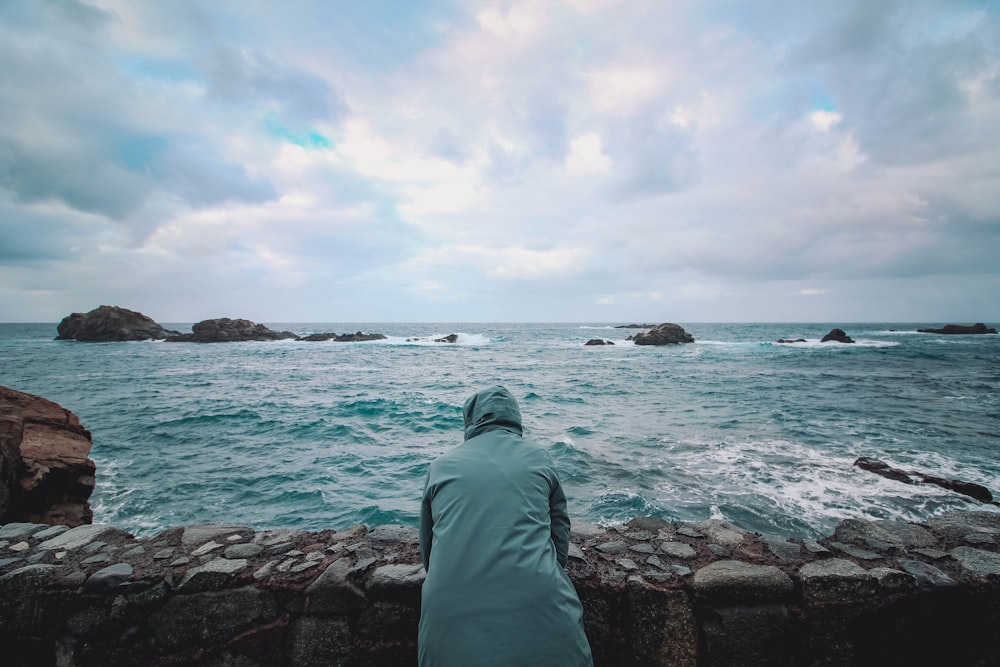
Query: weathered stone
x=50 y=532
x=884 y=535
x=721 y=532
x=206 y=548
x=212 y=575
x=392 y=534
x=19 y=547
x=78 y=537
x=690 y=531
x=4 y=562
x=197 y=534
x=649 y=523
x=855 y=551
x=265 y=570
x=366 y=557
x=663 y=627
x=663 y=334
x=303 y=566
x=639 y=535
x=642 y=548
x=980 y=538
x=737 y=581
x=720 y=551
x=108 y=578
x=270 y=538
x=926 y=575
x=226 y=330
x=977 y=561
x=681 y=570
x=183 y=560
x=835 y=580
x=956 y=525
x=933 y=554
x=210 y=617
x=678 y=550
x=97 y=558
x=891 y=580
x=583 y=530
x=816 y=548
x=785 y=551
x=391 y=580
x=318 y=640
x=575 y=552
x=18 y=612
x=747 y=636
x=244 y=550
x=20 y=530
x=837 y=336
x=611 y=548
x=626 y=564
x=164 y=554
x=332 y=591
x=656 y=562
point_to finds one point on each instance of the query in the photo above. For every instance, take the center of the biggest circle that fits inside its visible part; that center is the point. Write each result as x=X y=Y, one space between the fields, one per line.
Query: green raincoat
x=494 y=537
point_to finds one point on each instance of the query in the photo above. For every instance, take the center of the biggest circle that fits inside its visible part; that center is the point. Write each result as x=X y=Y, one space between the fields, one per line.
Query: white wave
x=432 y=340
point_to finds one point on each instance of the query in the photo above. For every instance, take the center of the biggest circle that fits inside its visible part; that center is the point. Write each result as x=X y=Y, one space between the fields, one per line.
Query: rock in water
x=111 y=323
x=46 y=475
x=837 y=336
x=977 y=328
x=225 y=330
x=663 y=334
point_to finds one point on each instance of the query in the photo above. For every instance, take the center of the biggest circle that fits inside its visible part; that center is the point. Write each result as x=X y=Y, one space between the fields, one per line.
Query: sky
x=514 y=161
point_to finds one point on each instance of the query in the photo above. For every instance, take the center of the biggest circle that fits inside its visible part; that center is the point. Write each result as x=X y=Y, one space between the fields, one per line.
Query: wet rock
x=836 y=336
x=977 y=561
x=598 y=341
x=835 y=580
x=663 y=334
x=926 y=575
x=737 y=581
x=954 y=526
x=356 y=337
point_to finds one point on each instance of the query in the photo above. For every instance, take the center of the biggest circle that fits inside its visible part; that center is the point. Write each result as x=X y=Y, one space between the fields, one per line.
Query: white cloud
x=825 y=120
x=623 y=90
x=587 y=155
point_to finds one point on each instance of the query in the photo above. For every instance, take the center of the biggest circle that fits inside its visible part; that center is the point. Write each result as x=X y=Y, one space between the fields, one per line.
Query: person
x=494 y=538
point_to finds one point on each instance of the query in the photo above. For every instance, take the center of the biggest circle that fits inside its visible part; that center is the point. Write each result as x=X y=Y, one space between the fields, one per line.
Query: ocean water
x=327 y=435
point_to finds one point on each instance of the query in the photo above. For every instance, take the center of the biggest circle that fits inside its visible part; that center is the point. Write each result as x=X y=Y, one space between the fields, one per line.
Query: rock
x=783 y=550
x=678 y=550
x=111 y=323
x=108 y=578
x=392 y=534
x=357 y=337
x=736 y=581
x=635 y=326
x=956 y=525
x=789 y=340
x=225 y=330
x=46 y=475
x=835 y=580
x=598 y=341
x=719 y=532
x=212 y=575
x=950 y=329
x=197 y=534
x=978 y=562
x=663 y=334
x=885 y=535
x=971 y=489
x=926 y=575
x=583 y=530
x=332 y=590
x=837 y=336
x=243 y=551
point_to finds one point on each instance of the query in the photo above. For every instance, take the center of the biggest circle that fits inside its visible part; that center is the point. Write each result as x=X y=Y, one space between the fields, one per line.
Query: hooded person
x=494 y=538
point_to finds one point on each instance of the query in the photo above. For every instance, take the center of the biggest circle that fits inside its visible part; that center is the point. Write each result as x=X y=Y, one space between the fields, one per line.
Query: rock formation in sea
x=599 y=341
x=111 y=323
x=225 y=330
x=791 y=340
x=971 y=489
x=46 y=475
x=635 y=326
x=837 y=336
x=663 y=334
x=450 y=338
x=977 y=328
x=356 y=337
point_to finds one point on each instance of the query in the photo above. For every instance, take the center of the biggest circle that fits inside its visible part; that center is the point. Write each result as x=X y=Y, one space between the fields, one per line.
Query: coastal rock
x=598 y=341
x=971 y=489
x=111 y=323
x=790 y=340
x=357 y=337
x=46 y=475
x=977 y=328
x=663 y=334
x=836 y=336
x=225 y=330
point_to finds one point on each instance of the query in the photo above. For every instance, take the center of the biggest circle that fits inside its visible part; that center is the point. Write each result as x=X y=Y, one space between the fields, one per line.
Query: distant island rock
x=635 y=326
x=978 y=328
x=450 y=338
x=598 y=341
x=226 y=330
x=663 y=334
x=111 y=323
x=837 y=336
x=357 y=337
x=790 y=340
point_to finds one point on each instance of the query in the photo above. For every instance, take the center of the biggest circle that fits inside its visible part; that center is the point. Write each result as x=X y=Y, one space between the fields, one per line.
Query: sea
x=318 y=435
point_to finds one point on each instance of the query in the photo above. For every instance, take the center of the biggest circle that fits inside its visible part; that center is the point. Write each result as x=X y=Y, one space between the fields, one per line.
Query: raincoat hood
x=491 y=409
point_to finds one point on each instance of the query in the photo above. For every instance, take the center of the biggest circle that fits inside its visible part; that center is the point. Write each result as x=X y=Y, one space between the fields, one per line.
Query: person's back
x=494 y=537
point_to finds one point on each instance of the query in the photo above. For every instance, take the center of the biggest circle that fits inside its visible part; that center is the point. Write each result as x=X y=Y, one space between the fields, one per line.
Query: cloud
x=418 y=161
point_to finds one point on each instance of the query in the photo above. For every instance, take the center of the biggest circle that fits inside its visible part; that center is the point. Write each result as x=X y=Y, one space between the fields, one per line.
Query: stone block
x=318 y=640
x=332 y=592
x=750 y=636
x=400 y=583
x=209 y=618
x=662 y=627
x=212 y=575
x=977 y=561
x=736 y=581
x=835 y=581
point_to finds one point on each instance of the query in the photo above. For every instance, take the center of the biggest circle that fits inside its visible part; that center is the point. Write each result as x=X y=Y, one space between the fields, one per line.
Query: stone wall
x=654 y=594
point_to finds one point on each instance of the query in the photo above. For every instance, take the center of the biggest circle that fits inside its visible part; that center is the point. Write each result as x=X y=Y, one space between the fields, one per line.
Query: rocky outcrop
x=598 y=341
x=837 y=336
x=654 y=593
x=978 y=328
x=111 y=323
x=356 y=337
x=46 y=475
x=225 y=330
x=790 y=340
x=971 y=489
x=635 y=326
x=450 y=338
x=663 y=334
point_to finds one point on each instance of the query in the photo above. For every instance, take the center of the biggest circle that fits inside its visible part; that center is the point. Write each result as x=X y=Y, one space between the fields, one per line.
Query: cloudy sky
x=537 y=160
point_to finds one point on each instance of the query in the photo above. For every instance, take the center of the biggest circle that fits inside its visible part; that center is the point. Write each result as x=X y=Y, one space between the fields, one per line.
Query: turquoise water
x=326 y=435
